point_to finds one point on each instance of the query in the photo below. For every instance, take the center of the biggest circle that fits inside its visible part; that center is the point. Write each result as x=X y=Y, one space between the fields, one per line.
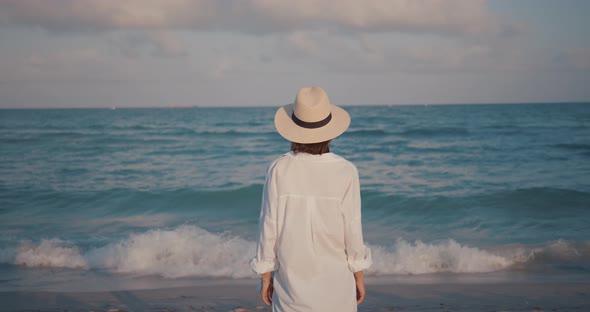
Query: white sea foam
x=191 y=251
x=50 y=253
x=184 y=251
x=448 y=256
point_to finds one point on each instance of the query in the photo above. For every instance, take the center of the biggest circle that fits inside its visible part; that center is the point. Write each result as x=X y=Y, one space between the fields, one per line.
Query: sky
x=145 y=53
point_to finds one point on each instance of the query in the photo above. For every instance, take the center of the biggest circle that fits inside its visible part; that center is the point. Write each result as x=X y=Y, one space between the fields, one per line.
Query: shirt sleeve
x=358 y=255
x=265 y=260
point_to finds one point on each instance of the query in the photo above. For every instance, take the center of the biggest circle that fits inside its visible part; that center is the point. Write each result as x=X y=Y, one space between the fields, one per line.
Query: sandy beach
x=549 y=296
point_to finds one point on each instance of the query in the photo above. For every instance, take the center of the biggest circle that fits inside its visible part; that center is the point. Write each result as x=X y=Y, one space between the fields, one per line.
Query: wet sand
x=550 y=296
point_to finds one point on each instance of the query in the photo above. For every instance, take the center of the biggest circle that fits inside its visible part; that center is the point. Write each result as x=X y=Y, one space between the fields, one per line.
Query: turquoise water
x=175 y=192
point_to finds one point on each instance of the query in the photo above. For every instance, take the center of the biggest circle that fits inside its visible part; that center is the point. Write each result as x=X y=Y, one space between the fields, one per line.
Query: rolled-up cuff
x=364 y=263
x=263 y=266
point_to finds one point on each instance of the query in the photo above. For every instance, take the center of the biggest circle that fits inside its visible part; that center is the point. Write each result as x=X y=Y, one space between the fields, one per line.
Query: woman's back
x=310 y=191
x=317 y=217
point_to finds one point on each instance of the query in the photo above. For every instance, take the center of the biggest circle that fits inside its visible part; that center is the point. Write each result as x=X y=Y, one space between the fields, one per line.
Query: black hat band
x=311 y=125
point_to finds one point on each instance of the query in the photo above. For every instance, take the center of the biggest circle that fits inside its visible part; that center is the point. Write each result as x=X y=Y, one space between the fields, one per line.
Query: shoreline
x=526 y=296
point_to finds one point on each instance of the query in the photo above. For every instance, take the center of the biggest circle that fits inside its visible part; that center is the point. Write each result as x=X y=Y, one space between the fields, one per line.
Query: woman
x=310 y=233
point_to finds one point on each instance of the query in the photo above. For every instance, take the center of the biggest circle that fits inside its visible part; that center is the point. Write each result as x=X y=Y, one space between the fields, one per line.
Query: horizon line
x=111 y=107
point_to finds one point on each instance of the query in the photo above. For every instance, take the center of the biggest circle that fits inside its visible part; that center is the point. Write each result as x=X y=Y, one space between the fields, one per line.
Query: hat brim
x=289 y=130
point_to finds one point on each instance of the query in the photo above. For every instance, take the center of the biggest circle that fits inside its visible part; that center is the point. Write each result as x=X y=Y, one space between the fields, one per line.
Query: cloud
x=300 y=44
x=55 y=66
x=455 y=17
x=383 y=53
x=74 y=15
x=158 y=44
x=576 y=58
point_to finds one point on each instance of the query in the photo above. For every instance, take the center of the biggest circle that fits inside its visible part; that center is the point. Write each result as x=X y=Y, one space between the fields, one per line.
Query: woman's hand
x=267 y=289
x=359 y=279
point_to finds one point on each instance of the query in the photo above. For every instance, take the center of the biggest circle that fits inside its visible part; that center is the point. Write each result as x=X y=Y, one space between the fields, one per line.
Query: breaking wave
x=189 y=251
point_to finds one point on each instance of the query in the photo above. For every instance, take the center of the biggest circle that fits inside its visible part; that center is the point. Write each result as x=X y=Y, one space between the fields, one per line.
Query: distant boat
x=113 y=107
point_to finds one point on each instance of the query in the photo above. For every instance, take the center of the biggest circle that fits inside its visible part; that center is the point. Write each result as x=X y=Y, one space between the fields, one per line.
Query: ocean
x=142 y=197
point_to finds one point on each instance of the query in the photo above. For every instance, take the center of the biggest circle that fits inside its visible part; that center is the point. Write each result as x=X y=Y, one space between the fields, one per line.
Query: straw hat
x=311 y=119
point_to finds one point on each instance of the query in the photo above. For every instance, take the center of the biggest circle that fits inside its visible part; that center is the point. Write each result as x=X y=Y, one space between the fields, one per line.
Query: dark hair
x=313 y=148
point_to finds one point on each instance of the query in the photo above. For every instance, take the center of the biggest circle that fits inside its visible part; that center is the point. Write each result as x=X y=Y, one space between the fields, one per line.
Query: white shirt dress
x=310 y=233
